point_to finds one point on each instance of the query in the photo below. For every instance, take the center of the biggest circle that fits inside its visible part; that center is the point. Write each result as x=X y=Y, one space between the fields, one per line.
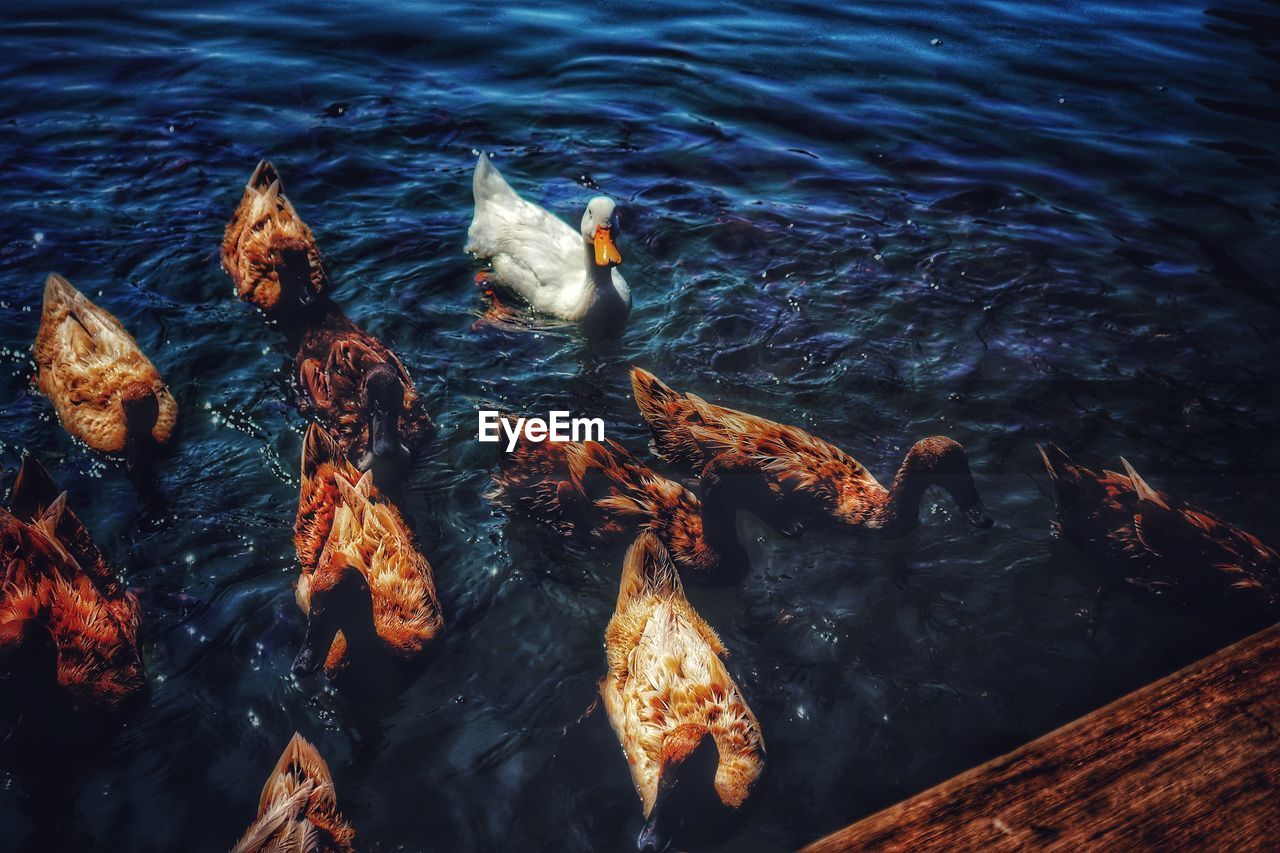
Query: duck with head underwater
x=599 y=491
x=106 y=392
x=269 y=252
x=353 y=385
x=298 y=809
x=1158 y=542
x=820 y=480
x=369 y=595
x=693 y=745
x=70 y=667
x=568 y=275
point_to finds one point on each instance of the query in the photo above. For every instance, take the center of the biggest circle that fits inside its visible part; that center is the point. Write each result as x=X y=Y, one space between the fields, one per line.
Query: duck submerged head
x=141 y=410
x=941 y=461
x=383 y=401
x=340 y=601
x=291 y=262
x=600 y=230
x=685 y=786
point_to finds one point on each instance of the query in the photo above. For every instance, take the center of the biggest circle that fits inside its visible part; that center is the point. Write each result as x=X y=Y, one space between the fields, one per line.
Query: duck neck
x=598 y=278
x=140 y=416
x=900 y=511
x=606 y=310
x=363 y=642
x=724 y=492
x=719 y=527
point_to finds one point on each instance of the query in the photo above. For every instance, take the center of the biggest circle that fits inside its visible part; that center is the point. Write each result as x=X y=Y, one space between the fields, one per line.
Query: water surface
x=1004 y=222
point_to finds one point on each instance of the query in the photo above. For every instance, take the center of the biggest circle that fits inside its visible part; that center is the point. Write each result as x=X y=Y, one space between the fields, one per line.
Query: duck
x=600 y=492
x=69 y=657
x=368 y=593
x=104 y=389
x=298 y=811
x=359 y=390
x=686 y=730
x=567 y=275
x=269 y=252
x=1159 y=542
x=821 y=481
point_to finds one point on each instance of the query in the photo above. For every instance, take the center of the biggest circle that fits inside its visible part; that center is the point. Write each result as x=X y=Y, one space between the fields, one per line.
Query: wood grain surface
x=1189 y=762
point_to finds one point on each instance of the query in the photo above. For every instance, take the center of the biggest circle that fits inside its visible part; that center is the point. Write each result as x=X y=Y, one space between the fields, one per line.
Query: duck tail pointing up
x=263 y=176
x=33 y=491
x=318 y=447
x=647 y=569
x=483 y=169
x=657 y=402
x=487 y=183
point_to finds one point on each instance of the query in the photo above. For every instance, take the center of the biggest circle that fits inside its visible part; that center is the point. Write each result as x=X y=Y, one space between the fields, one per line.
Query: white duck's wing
x=532 y=251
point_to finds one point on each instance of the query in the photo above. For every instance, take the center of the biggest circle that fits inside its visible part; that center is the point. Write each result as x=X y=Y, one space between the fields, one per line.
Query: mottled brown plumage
x=105 y=391
x=667 y=690
x=298 y=811
x=68 y=629
x=360 y=392
x=1158 y=542
x=369 y=594
x=820 y=479
x=602 y=492
x=268 y=250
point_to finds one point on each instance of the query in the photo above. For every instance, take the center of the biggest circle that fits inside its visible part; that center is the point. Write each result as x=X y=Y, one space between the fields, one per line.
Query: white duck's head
x=599 y=229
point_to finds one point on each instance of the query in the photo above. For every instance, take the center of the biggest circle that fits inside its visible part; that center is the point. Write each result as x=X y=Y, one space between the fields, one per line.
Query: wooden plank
x=1191 y=761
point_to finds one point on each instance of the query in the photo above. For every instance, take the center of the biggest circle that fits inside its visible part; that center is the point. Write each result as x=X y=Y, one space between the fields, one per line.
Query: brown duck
x=269 y=252
x=68 y=629
x=1159 y=542
x=104 y=389
x=602 y=492
x=368 y=593
x=820 y=479
x=298 y=811
x=684 y=726
x=357 y=388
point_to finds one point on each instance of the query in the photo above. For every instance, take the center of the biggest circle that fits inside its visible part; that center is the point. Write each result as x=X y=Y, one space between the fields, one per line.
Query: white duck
x=535 y=254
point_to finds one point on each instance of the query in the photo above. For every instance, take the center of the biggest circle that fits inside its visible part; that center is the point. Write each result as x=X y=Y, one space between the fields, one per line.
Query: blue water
x=1005 y=222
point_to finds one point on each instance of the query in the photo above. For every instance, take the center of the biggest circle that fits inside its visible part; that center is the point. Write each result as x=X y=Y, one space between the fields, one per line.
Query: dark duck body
x=600 y=492
x=354 y=386
x=1158 y=542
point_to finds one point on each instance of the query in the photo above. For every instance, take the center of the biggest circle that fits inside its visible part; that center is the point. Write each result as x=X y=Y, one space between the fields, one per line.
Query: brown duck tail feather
x=654 y=398
x=263 y=176
x=318 y=448
x=273 y=819
x=32 y=491
x=1140 y=486
x=303 y=761
x=648 y=569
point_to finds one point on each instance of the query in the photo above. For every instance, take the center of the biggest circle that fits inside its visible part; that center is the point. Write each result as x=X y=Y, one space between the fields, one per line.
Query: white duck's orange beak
x=606 y=252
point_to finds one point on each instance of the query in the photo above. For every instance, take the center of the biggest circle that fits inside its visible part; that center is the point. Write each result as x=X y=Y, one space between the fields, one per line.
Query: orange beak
x=606 y=252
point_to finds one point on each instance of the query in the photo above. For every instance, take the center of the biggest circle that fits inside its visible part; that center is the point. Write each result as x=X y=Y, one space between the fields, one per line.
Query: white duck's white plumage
x=540 y=257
